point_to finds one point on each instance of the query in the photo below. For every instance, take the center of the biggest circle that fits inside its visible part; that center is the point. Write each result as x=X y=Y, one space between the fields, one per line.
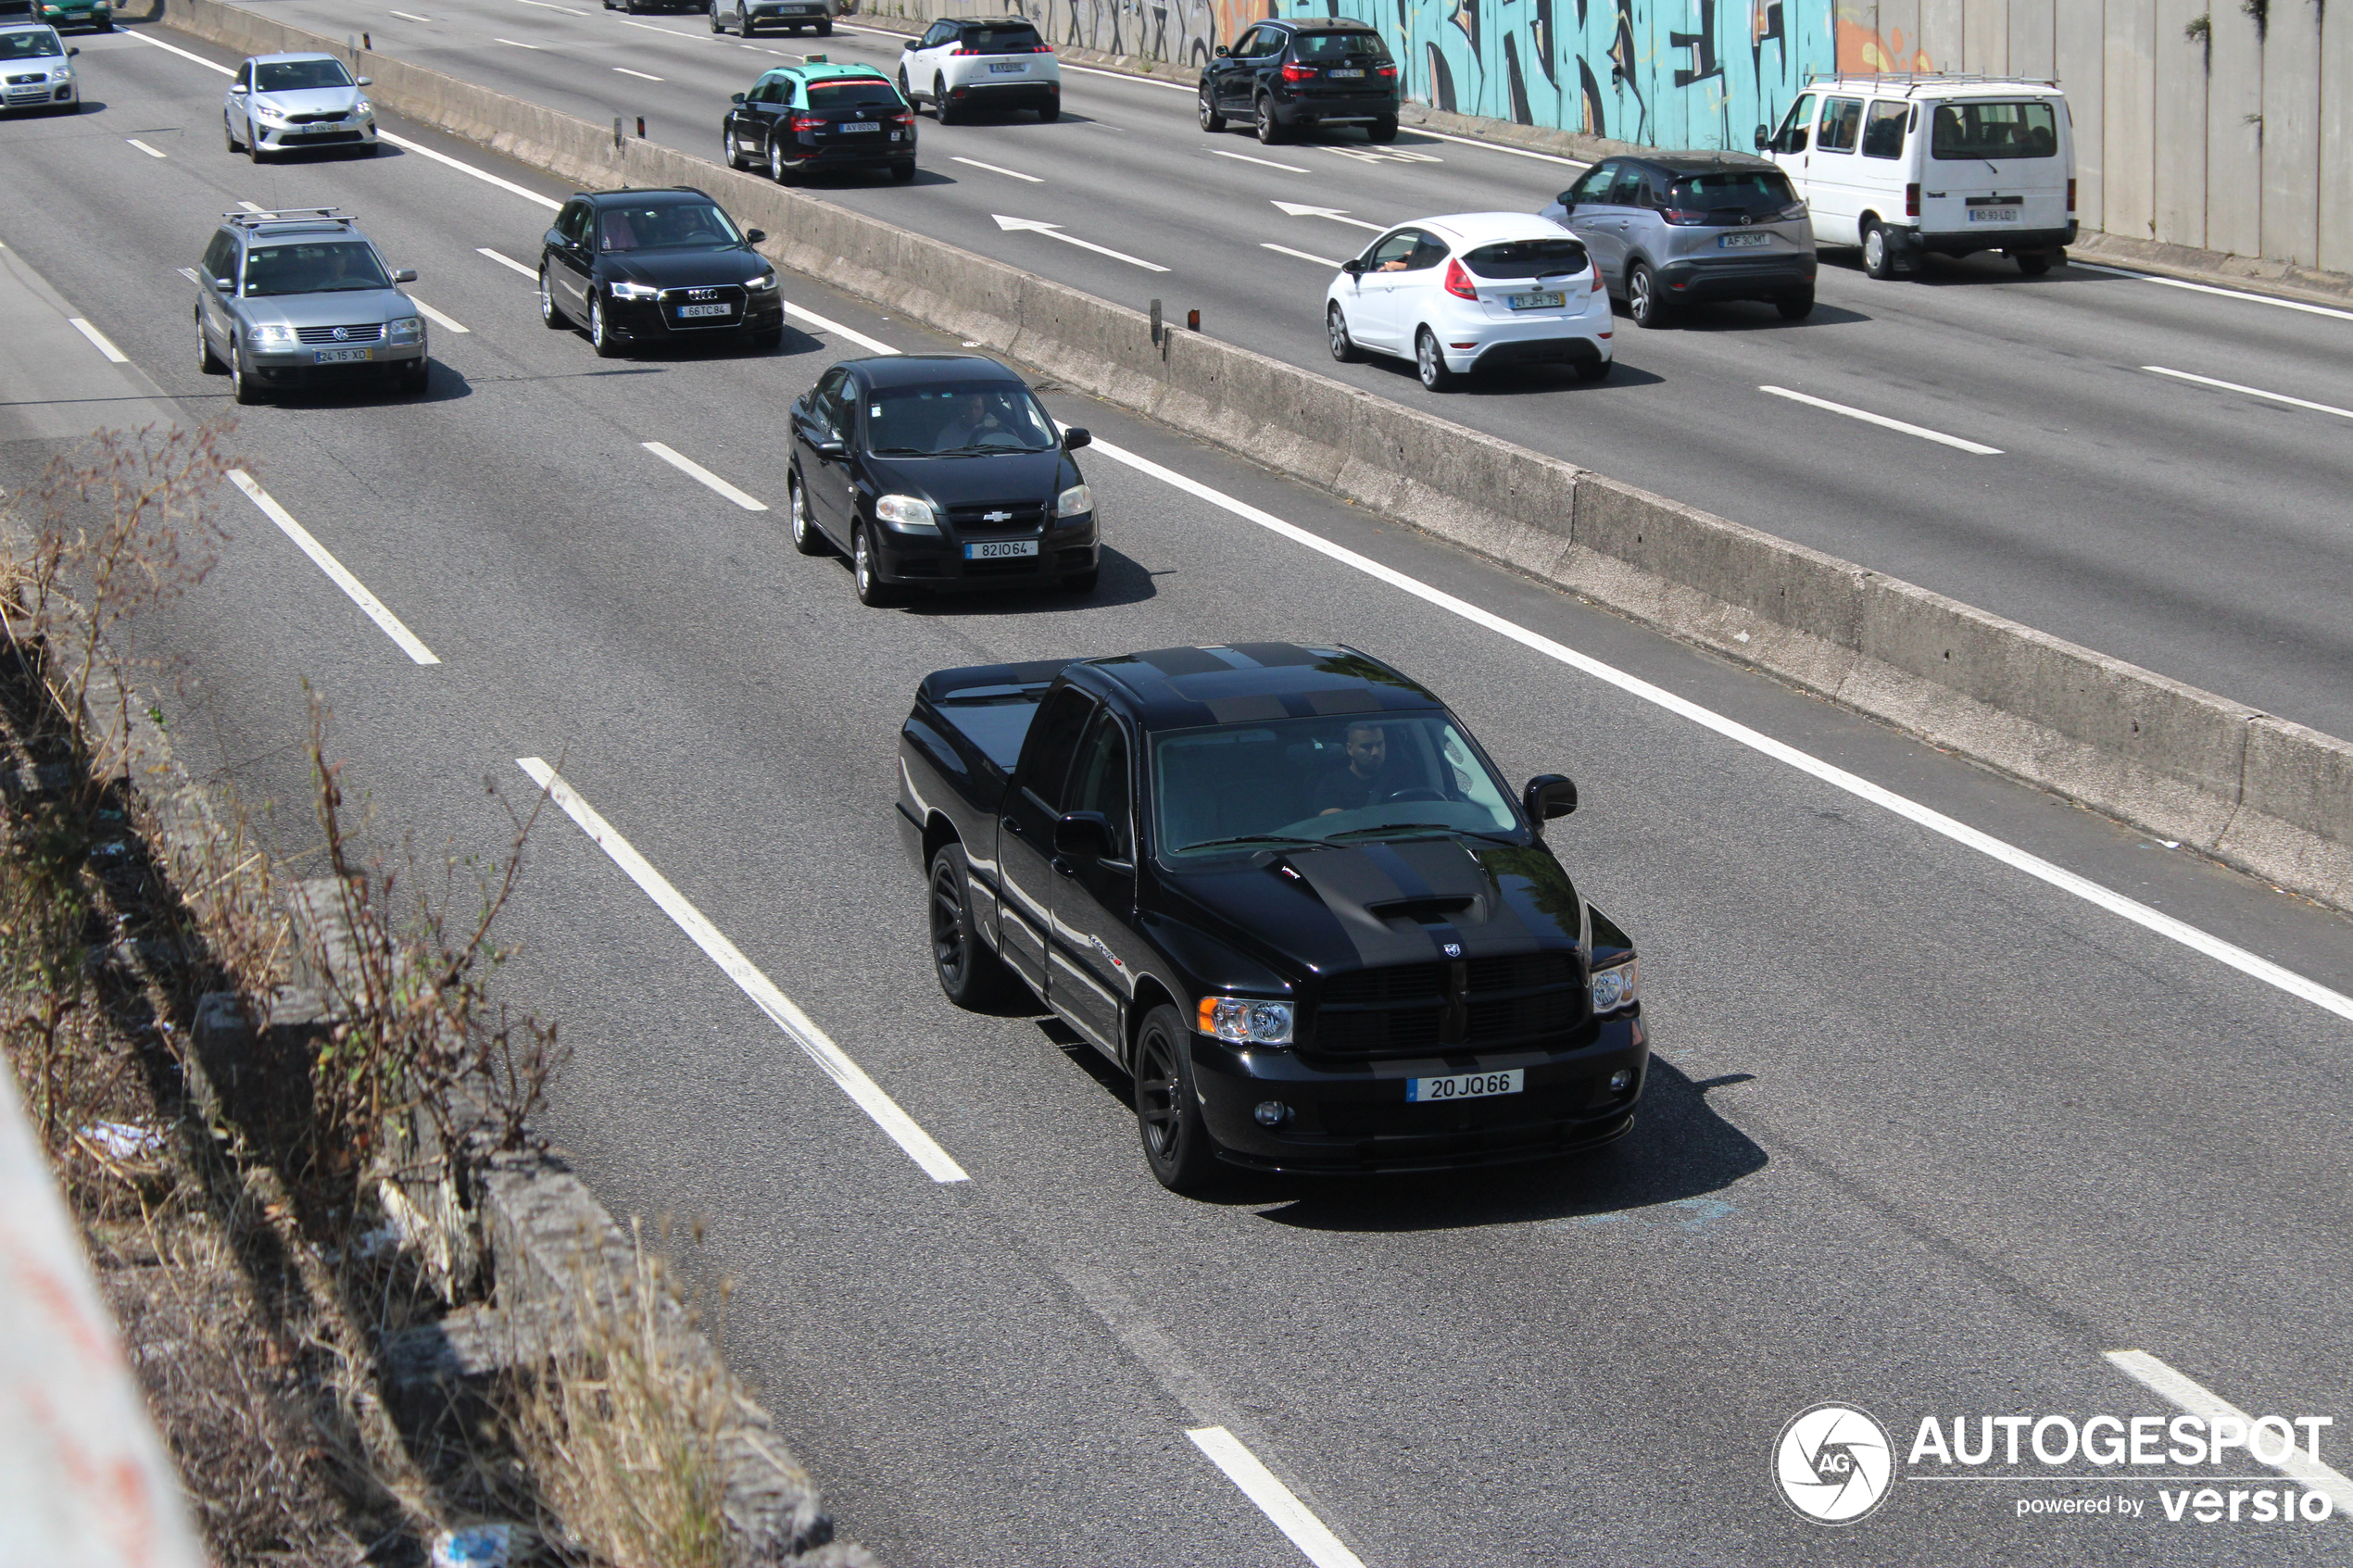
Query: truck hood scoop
x=1412 y=902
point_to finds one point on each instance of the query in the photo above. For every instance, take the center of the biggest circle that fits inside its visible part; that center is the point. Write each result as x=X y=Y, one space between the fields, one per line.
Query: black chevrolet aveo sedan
x=643 y=267
x=939 y=471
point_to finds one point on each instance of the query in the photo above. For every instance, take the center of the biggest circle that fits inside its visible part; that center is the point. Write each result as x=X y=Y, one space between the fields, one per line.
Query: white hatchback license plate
x=344 y=356
x=1466 y=1085
x=1534 y=301
x=1000 y=549
x=706 y=310
x=1993 y=215
x=863 y=125
x=1743 y=242
x=1007 y=68
x=1344 y=75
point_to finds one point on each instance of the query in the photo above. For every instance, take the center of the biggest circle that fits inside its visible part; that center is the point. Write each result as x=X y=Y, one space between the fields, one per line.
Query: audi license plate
x=1743 y=241
x=1008 y=67
x=863 y=125
x=1343 y=75
x=1000 y=549
x=1993 y=215
x=1466 y=1085
x=706 y=310
x=344 y=356
x=1534 y=301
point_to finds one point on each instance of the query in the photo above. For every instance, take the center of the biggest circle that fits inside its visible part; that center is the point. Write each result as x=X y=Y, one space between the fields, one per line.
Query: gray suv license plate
x=1743 y=241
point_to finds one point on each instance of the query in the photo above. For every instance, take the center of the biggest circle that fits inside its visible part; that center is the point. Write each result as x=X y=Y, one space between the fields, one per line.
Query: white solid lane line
x=2299 y=1462
x=482 y=174
x=143 y=147
x=435 y=317
x=2209 y=288
x=507 y=261
x=370 y=605
x=2140 y=914
x=1338 y=214
x=1286 y=250
x=97 y=338
x=512 y=45
x=173 y=49
x=410 y=17
x=798 y=1026
x=1883 y=422
x=1276 y=1500
x=2251 y=391
x=1262 y=162
x=872 y=346
x=704 y=477
x=640 y=75
x=1053 y=232
x=1009 y=173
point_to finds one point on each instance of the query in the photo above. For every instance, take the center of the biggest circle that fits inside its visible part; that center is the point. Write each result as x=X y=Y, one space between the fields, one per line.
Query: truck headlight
x=1618 y=986
x=409 y=329
x=268 y=336
x=623 y=288
x=1246 y=1023
x=1077 y=501
x=907 y=513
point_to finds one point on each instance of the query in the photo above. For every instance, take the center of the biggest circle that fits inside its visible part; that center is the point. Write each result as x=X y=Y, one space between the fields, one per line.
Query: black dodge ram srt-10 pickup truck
x=1284 y=888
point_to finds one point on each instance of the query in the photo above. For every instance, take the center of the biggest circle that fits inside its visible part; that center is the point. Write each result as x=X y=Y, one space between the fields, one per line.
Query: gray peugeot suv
x=1671 y=229
x=296 y=298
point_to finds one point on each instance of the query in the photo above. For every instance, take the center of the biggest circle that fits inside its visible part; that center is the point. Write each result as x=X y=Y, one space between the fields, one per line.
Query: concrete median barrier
x=2271 y=797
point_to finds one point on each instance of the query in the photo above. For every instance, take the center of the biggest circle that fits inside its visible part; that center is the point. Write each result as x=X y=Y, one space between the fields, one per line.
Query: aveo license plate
x=1743 y=241
x=1534 y=301
x=1000 y=549
x=706 y=310
x=1466 y=1085
x=344 y=356
x=1008 y=67
x=863 y=125
x=1993 y=215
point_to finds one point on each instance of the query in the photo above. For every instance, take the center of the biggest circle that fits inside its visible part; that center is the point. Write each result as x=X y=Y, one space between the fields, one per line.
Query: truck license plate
x=1533 y=301
x=706 y=310
x=1008 y=67
x=1993 y=215
x=1743 y=242
x=344 y=356
x=1466 y=1085
x=999 y=549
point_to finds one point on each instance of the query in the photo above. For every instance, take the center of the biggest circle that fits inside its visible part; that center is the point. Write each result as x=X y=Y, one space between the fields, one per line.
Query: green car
x=97 y=14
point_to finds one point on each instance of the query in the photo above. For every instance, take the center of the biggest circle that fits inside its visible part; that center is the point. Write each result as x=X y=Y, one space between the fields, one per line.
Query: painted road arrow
x=1053 y=232
x=1294 y=209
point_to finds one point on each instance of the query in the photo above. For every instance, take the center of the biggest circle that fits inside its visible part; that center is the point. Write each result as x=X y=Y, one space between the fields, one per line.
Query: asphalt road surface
x=1943 y=1112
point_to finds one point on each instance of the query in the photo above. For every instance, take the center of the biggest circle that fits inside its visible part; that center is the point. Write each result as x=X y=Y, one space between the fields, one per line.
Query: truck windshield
x=1241 y=787
x=1993 y=130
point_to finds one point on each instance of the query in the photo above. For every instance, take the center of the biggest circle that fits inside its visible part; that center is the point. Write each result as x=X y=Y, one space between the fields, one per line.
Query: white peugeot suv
x=966 y=63
x=1471 y=291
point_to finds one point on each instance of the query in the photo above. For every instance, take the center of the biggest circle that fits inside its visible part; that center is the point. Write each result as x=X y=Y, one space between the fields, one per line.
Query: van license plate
x=1000 y=549
x=1533 y=301
x=344 y=356
x=1008 y=67
x=1993 y=215
x=1743 y=241
x=1466 y=1085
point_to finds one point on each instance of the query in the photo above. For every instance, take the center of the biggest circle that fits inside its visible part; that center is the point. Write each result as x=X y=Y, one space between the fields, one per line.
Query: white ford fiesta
x=1470 y=291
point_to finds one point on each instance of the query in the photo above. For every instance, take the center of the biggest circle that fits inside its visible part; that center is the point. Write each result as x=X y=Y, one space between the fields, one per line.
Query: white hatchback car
x=966 y=63
x=1470 y=291
x=35 y=69
x=286 y=103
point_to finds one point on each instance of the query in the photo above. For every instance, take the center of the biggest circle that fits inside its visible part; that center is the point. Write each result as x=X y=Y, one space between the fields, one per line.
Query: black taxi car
x=799 y=118
x=1287 y=77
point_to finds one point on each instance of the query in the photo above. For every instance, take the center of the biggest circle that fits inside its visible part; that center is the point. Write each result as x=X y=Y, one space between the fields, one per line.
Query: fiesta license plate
x=863 y=125
x=706 y=310
x=1466 y=1085
x=1993 y=215
x=344 y=356
x=999 y=549
x=1743 y=241
x=1534 y=301
x=1008 y=67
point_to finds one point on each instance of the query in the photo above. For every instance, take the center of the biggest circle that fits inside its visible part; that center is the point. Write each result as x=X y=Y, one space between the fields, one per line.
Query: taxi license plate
x=706 y=310
x=1342 y=75
x=1743 y=242
x=1466 y=1085
x=344 y=356
x=1008 y=67
x=1993 y=215
x=1534 y=301
x=863 y=125
x=999 y=549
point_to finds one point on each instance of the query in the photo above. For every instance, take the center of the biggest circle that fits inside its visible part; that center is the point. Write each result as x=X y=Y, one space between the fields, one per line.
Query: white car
x=1471 y=291
x=36 y=71
x=966 y=63
x=286 y=103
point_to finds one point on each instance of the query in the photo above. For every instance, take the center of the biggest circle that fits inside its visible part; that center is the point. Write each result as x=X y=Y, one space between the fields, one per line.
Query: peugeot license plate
x=1743 y=241
x=1008 y=67
x=1534 y=301
x=706 y=310
x=1993 y=215
x=1466 y=1085
x=863 y=125
x=344 y=356
x=999 y=549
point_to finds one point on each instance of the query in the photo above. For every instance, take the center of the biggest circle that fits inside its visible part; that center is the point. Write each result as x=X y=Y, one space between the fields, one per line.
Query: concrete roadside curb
x=2269 y=797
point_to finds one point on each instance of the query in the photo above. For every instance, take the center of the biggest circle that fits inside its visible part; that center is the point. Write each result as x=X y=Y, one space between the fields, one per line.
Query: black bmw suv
x=637 y=267
x=1293 y=76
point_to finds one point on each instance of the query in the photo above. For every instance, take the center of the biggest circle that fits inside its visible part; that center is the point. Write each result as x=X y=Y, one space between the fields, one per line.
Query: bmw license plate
x=999 y=549
x=1993 y=215
x=1466 y=1085
x=1008 y=67
x=1743 y=241
x=344 y=356
x=1534 y=301
x=706 y=310
x=863 y=125
x=1344 y=75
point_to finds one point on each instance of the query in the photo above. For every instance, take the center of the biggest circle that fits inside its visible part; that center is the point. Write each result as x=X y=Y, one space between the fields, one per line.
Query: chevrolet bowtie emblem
x=996 y=517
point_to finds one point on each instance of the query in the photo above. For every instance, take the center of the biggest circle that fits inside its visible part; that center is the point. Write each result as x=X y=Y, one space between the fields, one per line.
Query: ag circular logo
x=1834 y=1464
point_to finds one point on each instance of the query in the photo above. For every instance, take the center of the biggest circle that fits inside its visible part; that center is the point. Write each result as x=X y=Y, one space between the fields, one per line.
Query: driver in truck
x=1365 y=779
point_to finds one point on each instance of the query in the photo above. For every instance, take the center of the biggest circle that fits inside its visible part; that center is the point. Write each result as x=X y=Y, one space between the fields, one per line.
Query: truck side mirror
x=1083 y=835
x=1764 y=138
x=1548 y=795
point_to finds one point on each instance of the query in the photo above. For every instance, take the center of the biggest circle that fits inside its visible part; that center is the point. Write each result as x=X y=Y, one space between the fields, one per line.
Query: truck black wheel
x=1177 y=1144
x=969 y=973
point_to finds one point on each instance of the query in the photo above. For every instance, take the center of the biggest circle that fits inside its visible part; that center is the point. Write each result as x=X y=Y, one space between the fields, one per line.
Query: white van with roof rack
x=1902 y=165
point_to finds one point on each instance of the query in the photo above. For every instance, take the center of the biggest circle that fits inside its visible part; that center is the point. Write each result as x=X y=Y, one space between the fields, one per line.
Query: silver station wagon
x=288 y=299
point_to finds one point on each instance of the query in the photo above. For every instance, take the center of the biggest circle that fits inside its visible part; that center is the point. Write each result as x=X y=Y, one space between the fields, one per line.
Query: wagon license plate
x=1993 y=215
x=706 y=310
x=1743 y=241
x=1534 y=301
x=344 y=356
x=1345 y=75
x=1008 y=67
x=863 y=125
x=999 y=549
x=1466 y=1085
